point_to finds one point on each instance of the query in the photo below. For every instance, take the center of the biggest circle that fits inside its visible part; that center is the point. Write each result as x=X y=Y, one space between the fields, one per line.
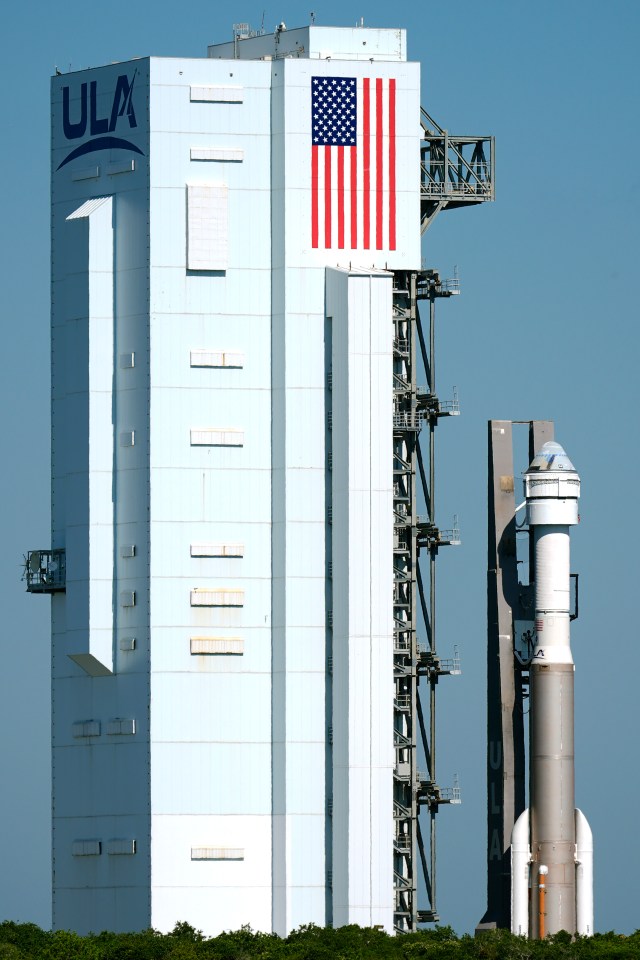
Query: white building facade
x=224 y=231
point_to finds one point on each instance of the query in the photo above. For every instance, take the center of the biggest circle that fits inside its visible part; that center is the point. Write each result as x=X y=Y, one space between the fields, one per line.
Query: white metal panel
x=217 y=358
x=305 y=706
x=584 y=876
x=245 y=288
x=229 y=93
x=317 y=43
x=88 y=207
x=230 y=154
x=235 y=908
x=201 y=597
x=220 y=494
x=217 y=549
x=305 y=541
x=174 y=837
x=217 y=645
x=360 y=307
x=217 y=853
x=217 y=437
x=246 y=541
x=207 y=226
x=225 y=707
x=188 y=777
x=305 y=602
x=181 y=887
x=207 y=358
x=172 y=652
x=242 y=419
x=101 y=363
x=90 y=237
x=171 y=598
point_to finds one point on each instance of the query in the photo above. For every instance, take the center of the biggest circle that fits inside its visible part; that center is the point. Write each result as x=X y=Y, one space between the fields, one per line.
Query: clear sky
x=546 y=327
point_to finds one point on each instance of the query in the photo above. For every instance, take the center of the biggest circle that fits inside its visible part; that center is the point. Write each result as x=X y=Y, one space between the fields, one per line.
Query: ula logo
x=100 y=128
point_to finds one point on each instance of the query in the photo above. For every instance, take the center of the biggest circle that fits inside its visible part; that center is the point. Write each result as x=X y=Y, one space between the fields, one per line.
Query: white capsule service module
x=551 y=838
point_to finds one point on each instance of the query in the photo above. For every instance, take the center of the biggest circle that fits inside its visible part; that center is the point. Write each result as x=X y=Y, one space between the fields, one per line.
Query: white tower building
x=224 y=235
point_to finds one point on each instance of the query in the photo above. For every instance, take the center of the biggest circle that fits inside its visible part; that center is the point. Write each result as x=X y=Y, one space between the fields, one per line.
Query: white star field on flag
x=334 y=111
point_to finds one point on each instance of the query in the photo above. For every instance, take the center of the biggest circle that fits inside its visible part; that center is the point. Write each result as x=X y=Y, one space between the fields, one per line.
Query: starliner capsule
x=551 y=843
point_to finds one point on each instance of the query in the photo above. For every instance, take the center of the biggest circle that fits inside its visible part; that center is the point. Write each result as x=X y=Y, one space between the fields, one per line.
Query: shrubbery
x=25 y=941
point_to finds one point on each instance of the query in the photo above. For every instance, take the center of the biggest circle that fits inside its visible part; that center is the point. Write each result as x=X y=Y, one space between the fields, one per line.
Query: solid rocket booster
x=551 y=858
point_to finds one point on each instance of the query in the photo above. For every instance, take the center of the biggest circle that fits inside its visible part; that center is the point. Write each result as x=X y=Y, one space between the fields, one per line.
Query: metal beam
x=506 y=679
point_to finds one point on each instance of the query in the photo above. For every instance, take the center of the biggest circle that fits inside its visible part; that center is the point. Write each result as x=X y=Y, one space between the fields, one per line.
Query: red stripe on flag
x=314 y=196
x=327 y=197
x=366 y=162
x=341 y=198
x=354 y=198
x=392 y=164
x=379 y=163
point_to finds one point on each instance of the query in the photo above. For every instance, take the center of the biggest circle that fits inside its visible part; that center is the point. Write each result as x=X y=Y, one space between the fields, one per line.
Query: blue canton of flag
x=334 y=111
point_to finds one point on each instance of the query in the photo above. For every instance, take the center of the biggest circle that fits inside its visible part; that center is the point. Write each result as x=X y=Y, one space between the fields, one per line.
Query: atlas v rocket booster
x=551 y=842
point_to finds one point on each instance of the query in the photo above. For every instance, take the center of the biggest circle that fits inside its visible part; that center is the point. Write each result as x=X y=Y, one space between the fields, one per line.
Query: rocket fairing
x=551 y=842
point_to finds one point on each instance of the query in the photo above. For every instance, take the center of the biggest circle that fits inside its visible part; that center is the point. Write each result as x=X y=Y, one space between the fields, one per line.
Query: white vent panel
x=217 y=598
x=207 y=94
x=217 y=853
x=207 y=358
x=219 y=646
x=217 y=549
x=228 y=154
x=217 y=437
x=217 y=358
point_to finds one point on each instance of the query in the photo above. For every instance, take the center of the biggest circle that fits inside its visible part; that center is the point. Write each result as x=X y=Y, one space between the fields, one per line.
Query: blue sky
x=546 y=327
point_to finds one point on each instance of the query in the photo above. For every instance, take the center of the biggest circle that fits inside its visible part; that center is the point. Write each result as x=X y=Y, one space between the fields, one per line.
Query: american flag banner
x=353 y=163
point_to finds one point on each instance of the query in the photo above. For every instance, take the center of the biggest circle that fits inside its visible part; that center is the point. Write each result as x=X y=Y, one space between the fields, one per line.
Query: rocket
x=551 y=842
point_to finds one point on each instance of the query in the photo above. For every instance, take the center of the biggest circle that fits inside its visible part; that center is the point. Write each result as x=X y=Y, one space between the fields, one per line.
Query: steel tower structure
x=456 y=171
x=137 y=246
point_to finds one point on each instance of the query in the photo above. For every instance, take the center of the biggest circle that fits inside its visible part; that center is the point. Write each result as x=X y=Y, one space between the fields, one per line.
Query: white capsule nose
x=551 y=456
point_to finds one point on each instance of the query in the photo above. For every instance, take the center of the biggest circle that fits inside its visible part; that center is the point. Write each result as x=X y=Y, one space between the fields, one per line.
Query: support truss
x=416 y=411
x=454 y=171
